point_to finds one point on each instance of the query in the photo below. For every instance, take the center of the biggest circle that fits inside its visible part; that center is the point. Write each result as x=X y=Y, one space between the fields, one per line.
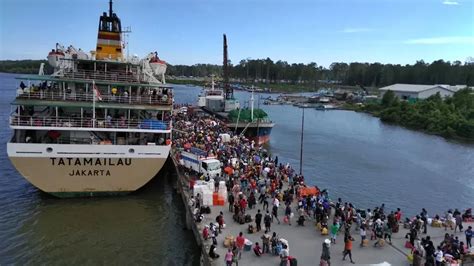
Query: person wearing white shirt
x=284 y=257
x=439 y=256
x=363 y=235
x=276 y=204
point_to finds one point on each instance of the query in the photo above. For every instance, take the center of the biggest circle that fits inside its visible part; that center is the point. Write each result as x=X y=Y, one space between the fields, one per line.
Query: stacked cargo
x=209 y=197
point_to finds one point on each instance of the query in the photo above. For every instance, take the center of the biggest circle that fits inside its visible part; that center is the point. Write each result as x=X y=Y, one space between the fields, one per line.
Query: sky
x=296 y=31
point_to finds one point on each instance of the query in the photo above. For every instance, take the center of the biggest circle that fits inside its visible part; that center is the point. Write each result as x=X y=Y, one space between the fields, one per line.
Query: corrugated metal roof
x=408 y=87
x=453 y=88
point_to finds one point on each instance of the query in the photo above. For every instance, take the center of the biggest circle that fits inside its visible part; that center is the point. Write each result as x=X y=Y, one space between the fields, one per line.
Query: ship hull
x=258 y=132
x=87 y=170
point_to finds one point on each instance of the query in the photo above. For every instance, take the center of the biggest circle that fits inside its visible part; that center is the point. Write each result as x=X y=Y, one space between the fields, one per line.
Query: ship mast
x=251 y=106
x=110 y=8
x=229 y=92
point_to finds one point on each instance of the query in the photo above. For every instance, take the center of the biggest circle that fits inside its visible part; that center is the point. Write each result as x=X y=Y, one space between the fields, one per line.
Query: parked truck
x=198 y=161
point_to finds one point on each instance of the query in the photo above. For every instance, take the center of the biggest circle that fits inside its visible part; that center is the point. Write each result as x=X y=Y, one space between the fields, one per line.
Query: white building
x=407 y=91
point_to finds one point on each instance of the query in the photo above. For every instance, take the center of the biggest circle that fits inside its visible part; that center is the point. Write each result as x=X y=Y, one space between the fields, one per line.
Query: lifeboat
x=158 y=66
x=55 y=57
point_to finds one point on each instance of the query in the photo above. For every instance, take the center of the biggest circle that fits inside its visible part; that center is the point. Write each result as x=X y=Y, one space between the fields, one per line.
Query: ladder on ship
x=245 y=129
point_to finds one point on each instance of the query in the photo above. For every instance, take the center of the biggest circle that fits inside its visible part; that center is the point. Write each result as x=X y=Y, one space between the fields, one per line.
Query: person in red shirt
x=253 y=184
x=240 y=242
x=398 y=215
x=220 y=221
x=205 y=232
x=348 y=248
x=257 y=250
x=243 y=204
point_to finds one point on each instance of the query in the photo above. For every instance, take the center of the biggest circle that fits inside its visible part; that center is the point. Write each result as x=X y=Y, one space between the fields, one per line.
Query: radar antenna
x=125 y=36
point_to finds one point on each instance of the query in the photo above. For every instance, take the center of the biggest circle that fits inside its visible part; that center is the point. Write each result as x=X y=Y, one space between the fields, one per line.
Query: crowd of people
x=258 y=180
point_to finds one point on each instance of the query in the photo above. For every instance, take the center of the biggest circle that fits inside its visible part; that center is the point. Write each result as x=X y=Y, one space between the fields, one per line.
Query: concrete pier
x=305 y=242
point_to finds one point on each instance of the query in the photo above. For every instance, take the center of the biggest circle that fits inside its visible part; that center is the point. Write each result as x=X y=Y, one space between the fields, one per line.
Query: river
x=354 y=155
x=362 y=160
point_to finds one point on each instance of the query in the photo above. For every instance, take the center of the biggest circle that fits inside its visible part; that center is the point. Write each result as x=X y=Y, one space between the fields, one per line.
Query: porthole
x=49 y=149
x=131 y=150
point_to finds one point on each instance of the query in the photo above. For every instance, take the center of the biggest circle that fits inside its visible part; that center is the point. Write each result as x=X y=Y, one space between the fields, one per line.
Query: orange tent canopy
x=309 y=191
x=229 y=170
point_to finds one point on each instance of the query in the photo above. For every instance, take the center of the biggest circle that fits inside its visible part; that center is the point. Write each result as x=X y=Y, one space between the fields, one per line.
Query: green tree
x=389 y=99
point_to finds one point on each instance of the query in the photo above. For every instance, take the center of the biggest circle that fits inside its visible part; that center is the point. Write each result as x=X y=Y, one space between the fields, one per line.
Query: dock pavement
x=305 y=242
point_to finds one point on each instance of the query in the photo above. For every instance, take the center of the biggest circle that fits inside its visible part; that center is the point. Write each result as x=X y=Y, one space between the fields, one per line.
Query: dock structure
x=304 y=242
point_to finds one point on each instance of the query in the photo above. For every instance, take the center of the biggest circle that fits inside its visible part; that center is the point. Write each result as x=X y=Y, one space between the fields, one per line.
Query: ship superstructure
x=100 y=124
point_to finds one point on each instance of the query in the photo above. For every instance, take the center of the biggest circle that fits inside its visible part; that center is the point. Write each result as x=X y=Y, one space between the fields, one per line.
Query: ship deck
x=224 y=116
x=98 y=104
x=84 y=79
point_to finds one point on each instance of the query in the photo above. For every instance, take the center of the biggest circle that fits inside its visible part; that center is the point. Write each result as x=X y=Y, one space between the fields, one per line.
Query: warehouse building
x=415 y=91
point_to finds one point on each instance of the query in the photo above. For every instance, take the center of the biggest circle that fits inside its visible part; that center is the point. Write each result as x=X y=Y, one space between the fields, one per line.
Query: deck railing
x=89 y=97
x=113 y=76
x=87 y=122
x=92 y=140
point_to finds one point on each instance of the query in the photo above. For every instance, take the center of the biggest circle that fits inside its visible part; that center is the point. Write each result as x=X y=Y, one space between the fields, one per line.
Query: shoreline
x=455 y=139
x=274 y=88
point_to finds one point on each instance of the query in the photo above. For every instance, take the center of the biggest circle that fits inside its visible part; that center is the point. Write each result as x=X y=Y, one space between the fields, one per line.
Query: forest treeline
x=366 y=74
x=268 y=71
x=24 y=66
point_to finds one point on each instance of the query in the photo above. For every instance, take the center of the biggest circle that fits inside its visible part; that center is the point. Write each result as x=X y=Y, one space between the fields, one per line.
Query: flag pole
x=93 y=103
x=301 y=144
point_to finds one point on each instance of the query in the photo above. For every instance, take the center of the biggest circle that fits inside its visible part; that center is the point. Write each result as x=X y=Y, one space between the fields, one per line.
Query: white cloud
x=450 y=3
x=355 y=30
x=443 y=40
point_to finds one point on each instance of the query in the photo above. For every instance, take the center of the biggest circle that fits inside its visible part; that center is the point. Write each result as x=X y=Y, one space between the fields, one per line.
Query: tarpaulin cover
x=152 y=124
x=246 y=114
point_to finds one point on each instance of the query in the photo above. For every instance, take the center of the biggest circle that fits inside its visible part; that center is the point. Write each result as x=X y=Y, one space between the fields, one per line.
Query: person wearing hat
x=326 y=254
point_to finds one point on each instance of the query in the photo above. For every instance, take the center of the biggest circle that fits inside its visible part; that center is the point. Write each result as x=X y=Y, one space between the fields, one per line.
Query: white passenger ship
x=100 y=124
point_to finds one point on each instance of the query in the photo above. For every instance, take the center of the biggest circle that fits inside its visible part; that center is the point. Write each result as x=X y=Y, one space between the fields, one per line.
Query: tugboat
x=99 y=125
x=250 y=122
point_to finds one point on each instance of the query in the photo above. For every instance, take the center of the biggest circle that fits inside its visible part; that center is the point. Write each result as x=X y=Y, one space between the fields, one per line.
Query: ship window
x=49 y=149
x=118 y=49
x=131 y=150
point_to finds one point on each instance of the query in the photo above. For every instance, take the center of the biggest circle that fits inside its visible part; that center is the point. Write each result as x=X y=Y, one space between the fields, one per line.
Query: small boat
x=325 y=107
